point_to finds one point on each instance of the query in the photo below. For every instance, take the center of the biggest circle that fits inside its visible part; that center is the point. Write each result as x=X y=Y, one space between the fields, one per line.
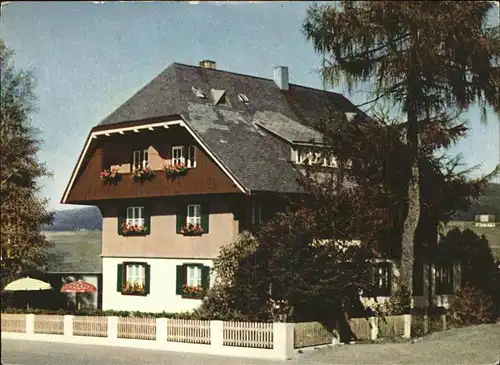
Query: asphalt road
x=467 y=346
x=20 y=352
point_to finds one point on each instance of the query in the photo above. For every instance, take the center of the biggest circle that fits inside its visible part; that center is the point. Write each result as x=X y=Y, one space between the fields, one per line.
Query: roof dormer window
x=243 y=98
x=198 y=92
x=219 y=97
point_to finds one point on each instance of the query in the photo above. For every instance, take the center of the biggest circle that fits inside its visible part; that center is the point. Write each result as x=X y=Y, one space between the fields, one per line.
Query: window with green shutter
x=134 y=278
x=192 y=219
x=119 y=278
x=192 y=280
x=181 y=217
x=134 y=221
x=205 y=217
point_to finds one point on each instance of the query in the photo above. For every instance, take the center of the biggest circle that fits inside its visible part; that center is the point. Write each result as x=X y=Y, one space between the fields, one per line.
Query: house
x=192 y=159
x=485 y=220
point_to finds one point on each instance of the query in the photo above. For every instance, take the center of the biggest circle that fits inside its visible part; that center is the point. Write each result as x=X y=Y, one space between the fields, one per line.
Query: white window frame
x=191 y=156
x=140 y=159
x=256 y=212
x=193 y=275
x=193 y=219
x=178 y=160
x=135 y=216
x=314 y=158
x=135 y=273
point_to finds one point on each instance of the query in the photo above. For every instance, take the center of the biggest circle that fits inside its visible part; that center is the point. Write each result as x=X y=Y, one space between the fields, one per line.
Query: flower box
x=192 y=292
x=133 y=289
x=175 y=170
x=134 y=230
x=110 y=176
x=144 y=174
x=192 y=230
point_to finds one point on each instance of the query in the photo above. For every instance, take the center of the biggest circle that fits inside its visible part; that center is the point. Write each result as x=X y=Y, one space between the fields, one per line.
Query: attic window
x=219 y=97
x=243 y=98
x=198 y=92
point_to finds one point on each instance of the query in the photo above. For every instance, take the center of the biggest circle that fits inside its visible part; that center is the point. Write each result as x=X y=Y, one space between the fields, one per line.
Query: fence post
x=161 y=329
x=373 y=328
x=407 y=326
x=113 y=327
x=283 y=340
x=30 y=324
x=68 y=325
x=216 y=333
x=445 y=324
x=426 y=324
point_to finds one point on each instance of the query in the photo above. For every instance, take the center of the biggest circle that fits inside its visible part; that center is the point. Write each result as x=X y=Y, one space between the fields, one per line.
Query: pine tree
x=430 y=59
x=23 y=247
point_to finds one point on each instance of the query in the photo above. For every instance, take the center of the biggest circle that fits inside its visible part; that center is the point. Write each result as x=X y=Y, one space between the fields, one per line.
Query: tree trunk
x=409 y=229
x=413 y=214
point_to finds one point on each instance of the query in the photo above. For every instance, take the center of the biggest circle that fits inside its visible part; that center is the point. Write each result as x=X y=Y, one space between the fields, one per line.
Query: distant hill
x=88 y=218
x=489 y=203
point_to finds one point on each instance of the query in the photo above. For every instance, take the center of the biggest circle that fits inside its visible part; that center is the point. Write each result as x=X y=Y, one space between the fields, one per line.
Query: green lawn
x=75 y=250
x=492 y=234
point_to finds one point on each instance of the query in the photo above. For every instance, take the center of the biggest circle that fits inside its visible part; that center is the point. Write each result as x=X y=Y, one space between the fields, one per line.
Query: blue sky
x=89 y=57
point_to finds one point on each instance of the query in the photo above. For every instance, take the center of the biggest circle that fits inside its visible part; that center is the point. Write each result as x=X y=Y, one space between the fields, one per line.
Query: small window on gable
x=178 y=155
x=191 y=157
x=243 y=98
x=140 y=159
x=198 y=92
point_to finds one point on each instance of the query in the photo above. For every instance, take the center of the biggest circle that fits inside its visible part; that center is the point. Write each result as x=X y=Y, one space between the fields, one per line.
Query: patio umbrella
x=27 y=284
x=78 y=287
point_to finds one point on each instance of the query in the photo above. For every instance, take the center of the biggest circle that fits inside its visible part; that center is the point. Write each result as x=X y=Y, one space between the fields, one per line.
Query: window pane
x=145 y=158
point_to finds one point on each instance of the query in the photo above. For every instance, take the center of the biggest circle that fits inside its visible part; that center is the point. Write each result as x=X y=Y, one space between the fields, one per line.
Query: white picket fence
x=245 y=339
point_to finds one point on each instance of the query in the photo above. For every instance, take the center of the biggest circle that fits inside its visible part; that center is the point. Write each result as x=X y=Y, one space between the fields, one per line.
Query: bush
x=472 y=306
x=98 y=312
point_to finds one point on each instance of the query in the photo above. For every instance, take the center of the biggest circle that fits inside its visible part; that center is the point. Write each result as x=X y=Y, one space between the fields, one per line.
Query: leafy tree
x=23 y=247
x=431 y=60
x=302 y=264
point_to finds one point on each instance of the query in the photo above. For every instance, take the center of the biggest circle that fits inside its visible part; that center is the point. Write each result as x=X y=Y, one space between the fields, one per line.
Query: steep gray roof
x=236 y=133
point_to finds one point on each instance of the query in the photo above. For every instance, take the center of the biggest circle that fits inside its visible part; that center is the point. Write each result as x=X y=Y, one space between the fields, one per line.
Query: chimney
x=280 y=76
x=207 y=64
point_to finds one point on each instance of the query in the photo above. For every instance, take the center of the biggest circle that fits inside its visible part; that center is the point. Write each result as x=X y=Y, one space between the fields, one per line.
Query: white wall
x=162 y=294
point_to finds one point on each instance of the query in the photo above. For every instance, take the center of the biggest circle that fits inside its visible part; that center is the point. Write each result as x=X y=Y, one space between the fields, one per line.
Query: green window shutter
x=119 y=278
x=122 y=216
x=205 y=214
x=181 y=217
x=147 y=219
x=179 y=279
x=147 y=278
x=205 y=277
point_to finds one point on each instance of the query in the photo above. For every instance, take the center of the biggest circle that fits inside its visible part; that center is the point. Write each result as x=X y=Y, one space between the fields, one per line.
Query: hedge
x=97 y=312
